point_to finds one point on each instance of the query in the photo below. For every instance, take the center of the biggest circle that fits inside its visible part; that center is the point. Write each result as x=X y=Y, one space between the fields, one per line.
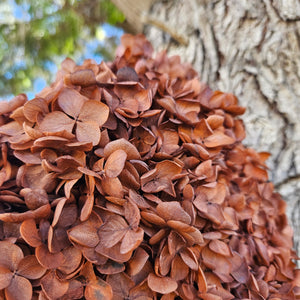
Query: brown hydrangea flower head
x=129 y=180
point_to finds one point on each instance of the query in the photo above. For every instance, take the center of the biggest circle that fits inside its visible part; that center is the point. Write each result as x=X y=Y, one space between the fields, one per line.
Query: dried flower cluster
x=128 y=180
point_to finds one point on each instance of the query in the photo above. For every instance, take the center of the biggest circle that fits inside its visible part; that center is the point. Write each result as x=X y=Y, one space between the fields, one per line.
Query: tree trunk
x=251 y=49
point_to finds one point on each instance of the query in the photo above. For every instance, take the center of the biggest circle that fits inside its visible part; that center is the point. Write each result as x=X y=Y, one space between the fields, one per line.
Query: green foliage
x=114 y=16
x=46 y=33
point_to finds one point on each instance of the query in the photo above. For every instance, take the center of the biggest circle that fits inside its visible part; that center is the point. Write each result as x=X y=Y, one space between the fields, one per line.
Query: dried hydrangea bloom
x=16 y=271
x=129 y=180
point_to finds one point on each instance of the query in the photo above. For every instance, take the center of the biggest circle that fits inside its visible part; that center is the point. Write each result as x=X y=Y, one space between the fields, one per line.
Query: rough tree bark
x=251 y=49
